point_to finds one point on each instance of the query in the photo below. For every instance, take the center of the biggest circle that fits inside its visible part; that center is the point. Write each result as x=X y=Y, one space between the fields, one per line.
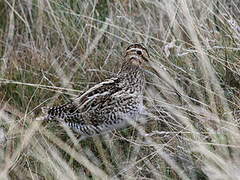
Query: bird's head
x=137 y=55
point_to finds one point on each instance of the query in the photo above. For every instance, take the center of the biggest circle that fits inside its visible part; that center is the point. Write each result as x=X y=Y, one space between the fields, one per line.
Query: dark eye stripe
x=136 y=46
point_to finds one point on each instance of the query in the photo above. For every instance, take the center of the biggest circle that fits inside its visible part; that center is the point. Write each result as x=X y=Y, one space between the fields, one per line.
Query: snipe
x=110 y=104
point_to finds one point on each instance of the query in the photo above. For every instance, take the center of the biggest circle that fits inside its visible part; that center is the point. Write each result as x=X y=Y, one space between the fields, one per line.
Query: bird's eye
x=139 y=52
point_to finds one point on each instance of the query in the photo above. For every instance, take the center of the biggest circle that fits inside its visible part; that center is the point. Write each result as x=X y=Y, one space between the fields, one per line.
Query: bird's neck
x=133 y=75
x=128 y=67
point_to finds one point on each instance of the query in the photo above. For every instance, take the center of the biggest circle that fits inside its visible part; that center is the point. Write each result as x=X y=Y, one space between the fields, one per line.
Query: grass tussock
x=53 y=50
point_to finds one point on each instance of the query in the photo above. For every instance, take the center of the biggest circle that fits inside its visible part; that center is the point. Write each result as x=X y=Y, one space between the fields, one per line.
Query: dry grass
x=53 y=50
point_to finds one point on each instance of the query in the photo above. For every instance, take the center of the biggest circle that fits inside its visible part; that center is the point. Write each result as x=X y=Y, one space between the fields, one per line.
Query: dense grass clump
x=52 y=51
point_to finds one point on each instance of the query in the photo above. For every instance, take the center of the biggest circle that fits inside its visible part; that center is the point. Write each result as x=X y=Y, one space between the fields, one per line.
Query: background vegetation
x=53 y=50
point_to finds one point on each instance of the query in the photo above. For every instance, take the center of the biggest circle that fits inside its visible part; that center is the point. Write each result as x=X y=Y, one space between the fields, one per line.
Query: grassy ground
x=53 y=50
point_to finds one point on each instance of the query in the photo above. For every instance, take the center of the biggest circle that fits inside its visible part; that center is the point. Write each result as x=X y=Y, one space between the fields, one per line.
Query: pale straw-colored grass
x=53 y=50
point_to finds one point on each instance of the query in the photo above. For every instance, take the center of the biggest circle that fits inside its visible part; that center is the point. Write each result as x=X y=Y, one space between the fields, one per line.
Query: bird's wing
x=97 y=110
x=97 y=93
x=84 y=102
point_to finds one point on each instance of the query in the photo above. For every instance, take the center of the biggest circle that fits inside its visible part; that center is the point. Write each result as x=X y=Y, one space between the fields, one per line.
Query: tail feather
x=57 y=112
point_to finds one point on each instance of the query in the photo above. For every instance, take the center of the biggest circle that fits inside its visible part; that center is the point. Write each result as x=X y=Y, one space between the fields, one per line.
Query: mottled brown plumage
x=109 y=104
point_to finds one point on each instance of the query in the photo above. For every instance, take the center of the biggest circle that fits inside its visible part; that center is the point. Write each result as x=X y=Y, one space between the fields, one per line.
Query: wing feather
x=97 y=93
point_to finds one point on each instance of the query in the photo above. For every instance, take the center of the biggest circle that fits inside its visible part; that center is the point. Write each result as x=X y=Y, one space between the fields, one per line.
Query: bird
x=110 y=104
